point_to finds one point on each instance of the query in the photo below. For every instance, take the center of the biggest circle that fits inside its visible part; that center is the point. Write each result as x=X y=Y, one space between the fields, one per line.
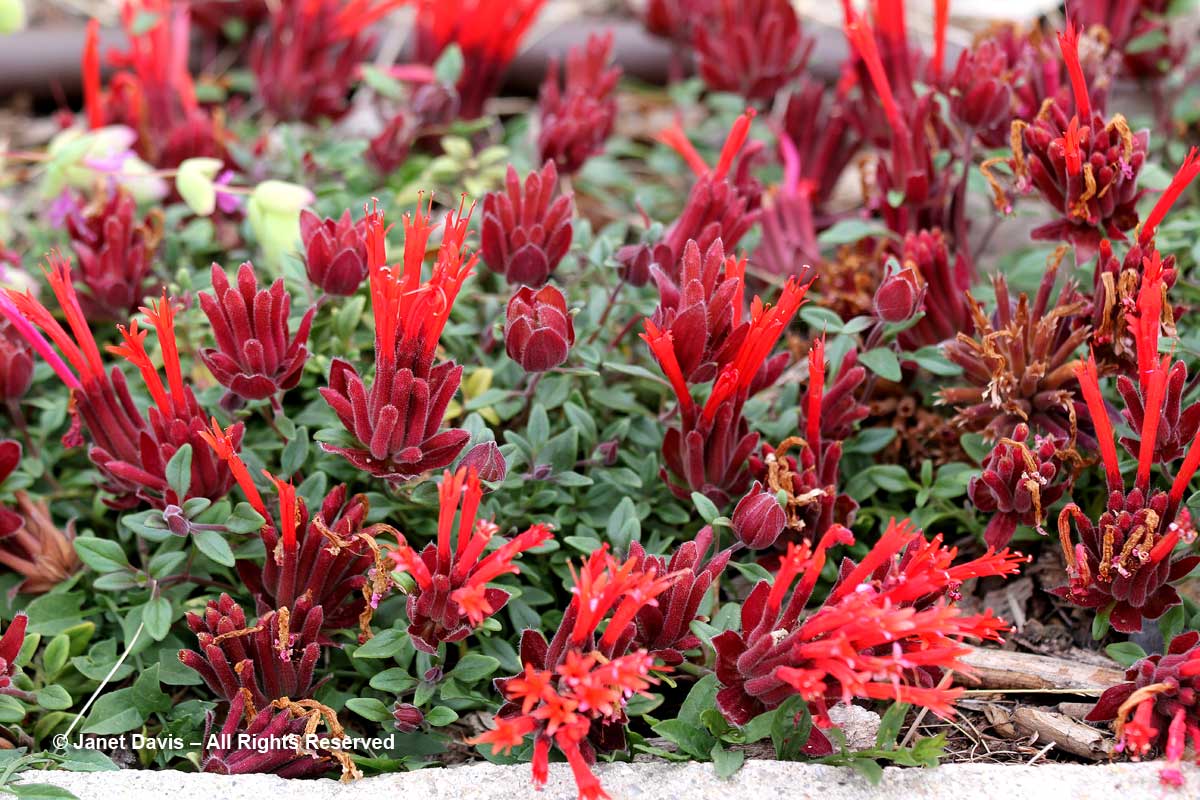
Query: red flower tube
x=452 y=597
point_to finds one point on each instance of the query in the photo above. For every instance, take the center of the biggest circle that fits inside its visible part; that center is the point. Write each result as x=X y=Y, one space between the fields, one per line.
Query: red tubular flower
x=704 y=312
x=116 y=254
x=526 y=229
x=1158 y=705
x=1019 y=482
x=270 y=660
x=152 y=91
x=396 y=421
x=1124 y=562
x=256 y=356
x=578 y=118
x=452 y=597
x=665 y=629
x=752 y=48
x=335 y=252
x=10 y=647
x=1084 y=167
x=487 y=32
x=257 y=743
x=574 y=688
x=723 y=203
x=331 y=557
x=16 y=364
x=708 y=451
x=306 y=57
x=887 y=628
x=673 y=19
x=538 y=331
x=809 y=480
x=1117 y=285
x=130 y=450
x=10 y=459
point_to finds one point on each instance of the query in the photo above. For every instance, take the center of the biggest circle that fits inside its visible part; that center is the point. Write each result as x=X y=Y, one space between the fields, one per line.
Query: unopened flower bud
x=758 y=519
x=408 y=717
x=177 y=521
x=538 y=333
x=898 y=296
x=488 y=462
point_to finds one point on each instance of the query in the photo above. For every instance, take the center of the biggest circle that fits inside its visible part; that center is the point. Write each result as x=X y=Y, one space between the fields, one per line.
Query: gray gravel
x=655 y=781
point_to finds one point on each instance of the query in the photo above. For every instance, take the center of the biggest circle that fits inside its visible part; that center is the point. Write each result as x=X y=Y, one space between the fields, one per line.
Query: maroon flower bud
x=607 y=452
x=577 y=118
x=758 y=519
x=636 y=261
x=899 y=295
x=16 y=364
x=335 y=252
x=487 y=461
x=980 y=95
x=539 y=332
x=115 y=252
x=1019 y=483
x=408 y=717
x=177 y=521
x=751 y=47
x=255 y=356
x=524 y=236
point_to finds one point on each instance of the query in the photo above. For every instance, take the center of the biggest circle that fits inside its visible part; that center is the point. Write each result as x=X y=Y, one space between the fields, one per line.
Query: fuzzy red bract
x=256 y=356
x=538 y=330
x=116 y=253
x=526 y=229
x=335 y=252
x=577 y=118
x=751 y=48
x=396 y=421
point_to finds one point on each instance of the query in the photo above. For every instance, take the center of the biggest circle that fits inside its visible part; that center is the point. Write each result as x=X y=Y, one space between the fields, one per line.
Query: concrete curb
x=653 y=781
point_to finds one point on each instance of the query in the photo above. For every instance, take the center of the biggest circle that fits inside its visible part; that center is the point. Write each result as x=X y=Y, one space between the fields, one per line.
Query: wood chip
x=1067 y=734
x=1001 y=670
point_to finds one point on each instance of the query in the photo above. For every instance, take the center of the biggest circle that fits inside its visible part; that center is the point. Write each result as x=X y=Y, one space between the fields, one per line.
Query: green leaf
x=440 y=716
x=39 y=791
x=179 y=471
x=11 y=710
x=114 y=712
x=295 y=453
x=707 y=508
x=849 y=231
x=1125 y=653
x=157 y=616
x=726 y=762
x=370 y=708
x=54 y=698
x=394 y=681
x=213 y=545
x=385 y=644
x=102 y=555
x=55 y=656
x=449 y=66
x=821 y=319
x=1170 y=624
x=1100 y=622
x=383 y=84
x=623 y=526
x=473 y=667
x=691 y=739
x=788 y=735
x=883 y=362
x=244 y=520
x=931 y=359
x=889 y=725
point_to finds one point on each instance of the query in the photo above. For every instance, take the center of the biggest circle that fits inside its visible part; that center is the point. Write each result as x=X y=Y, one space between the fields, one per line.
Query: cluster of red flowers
x=573 y=691
x=129 y=449
x=152 y=92
x=396 y=421
x=451 y=597
x=887 y=629
x=577 y=118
